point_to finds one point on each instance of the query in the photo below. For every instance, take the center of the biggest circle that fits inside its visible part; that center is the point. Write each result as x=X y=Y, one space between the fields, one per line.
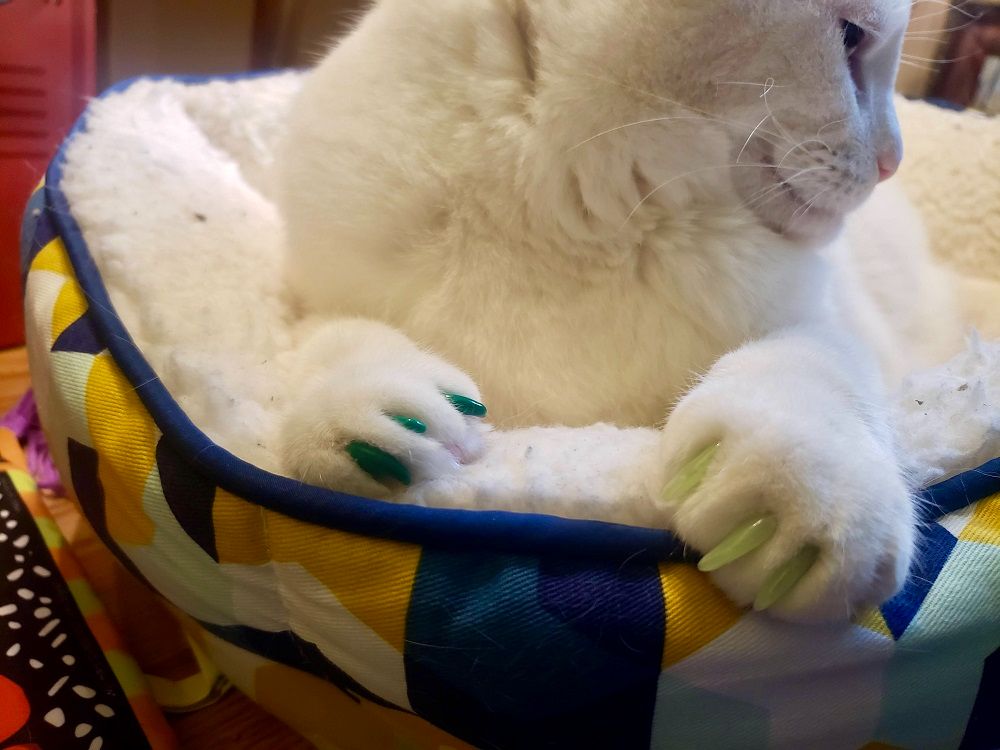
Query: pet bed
x=368 y=625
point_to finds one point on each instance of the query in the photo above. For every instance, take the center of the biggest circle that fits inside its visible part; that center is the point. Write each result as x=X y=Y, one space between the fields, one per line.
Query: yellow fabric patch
x=874 y=621
x=879 y=746
x=69 y=307
x=125 y=438
x=325 y=714
x=53 y=257
x=239 y=529
x=697 y=612
x=984 y=526
x=371 y=577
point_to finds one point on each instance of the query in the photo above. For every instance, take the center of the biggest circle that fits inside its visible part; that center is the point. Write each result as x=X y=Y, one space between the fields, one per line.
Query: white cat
x=591 y=206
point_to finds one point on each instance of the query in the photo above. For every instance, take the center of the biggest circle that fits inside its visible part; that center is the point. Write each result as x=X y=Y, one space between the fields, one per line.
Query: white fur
x=204 y=302
x=587 y=204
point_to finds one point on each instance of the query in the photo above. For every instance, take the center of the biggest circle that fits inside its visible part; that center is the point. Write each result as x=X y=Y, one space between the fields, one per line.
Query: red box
x=47 y=72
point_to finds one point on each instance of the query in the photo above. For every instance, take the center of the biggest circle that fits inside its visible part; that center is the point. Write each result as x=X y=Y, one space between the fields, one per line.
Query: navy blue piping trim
x=960 y=491
x=463 y=530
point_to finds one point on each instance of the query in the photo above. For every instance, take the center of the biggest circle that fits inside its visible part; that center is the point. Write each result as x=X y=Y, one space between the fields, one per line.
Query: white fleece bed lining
x=169 y=184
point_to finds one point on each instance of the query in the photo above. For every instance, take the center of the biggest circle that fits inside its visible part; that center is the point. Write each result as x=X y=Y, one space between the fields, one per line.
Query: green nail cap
x=413 y=425
x=690 y=477
x=467 y=406
x=784 y=579
x=741 y=542
x=378 y=464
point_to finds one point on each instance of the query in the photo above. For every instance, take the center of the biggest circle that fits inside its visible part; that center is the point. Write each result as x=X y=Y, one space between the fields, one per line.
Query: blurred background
x=56 y=53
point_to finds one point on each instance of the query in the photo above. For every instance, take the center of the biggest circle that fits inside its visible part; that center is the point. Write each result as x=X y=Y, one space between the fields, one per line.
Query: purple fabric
x=23 y=421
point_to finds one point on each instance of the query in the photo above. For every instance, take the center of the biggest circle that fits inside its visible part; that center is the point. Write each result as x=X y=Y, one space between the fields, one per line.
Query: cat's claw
x=381 y=465
x=469 y=407
x=781 y=582
x=690 y=477
x=413 y=425
x=742 y=540
x=378 y=464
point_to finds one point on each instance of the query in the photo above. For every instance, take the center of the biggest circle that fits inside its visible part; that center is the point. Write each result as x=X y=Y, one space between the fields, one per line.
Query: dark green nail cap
x=465 y=405
x=413 y=425
x=378 y=464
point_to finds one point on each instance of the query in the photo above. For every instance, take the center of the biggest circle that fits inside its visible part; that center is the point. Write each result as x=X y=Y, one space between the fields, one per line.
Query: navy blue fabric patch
x=83 y=461
x=37 y=230
x=190 y=495
x=935 y=546
x=504 y=652
x=960 y=491
x=80 y=336
x=611 y=607
x=983 y=730
x=287 y=648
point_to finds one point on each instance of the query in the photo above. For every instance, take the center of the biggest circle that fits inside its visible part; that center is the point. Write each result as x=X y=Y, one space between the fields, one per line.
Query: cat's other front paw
x=796 y=507
x=376 y=427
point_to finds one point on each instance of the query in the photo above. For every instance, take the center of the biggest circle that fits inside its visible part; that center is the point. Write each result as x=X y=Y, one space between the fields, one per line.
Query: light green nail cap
x=785 y=578
x=690 y=477
x=741 y=541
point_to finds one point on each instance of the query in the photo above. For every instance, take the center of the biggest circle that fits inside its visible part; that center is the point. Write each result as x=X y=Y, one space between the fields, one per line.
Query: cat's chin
x=793 y=221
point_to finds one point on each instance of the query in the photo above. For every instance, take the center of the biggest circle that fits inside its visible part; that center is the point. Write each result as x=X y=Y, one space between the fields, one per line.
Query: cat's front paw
x=794 y=504
x=375 y=426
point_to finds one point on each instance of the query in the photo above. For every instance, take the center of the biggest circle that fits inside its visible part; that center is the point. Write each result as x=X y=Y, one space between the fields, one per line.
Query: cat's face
x=796 y=94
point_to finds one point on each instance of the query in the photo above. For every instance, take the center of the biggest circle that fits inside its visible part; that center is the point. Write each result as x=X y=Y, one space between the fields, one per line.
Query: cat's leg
x=597 y=473
x=375 y=413
x=780 y=467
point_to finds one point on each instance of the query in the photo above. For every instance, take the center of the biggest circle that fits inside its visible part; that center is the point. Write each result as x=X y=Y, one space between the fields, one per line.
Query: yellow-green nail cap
x=780 y=583
x=690 y=477
x=743 y=540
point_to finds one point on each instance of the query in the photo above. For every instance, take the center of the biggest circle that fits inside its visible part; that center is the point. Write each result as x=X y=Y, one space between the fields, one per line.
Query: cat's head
x=788 y=104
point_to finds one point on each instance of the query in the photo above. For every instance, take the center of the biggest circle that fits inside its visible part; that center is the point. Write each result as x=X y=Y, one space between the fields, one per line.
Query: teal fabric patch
x=937 y=667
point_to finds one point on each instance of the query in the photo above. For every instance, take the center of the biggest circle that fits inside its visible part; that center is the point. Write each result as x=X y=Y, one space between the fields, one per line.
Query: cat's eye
x=853 y=35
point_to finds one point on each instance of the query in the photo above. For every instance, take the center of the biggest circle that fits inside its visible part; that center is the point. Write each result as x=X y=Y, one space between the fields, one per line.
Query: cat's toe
x=382 y=433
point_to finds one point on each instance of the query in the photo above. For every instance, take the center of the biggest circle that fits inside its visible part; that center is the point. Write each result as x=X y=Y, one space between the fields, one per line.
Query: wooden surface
x=13 y=377
x=235 y=722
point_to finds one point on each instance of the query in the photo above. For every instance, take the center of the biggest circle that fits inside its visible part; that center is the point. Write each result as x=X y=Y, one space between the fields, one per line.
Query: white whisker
x=830 y=125
x=757 y=199
x=798 y=146
x=918 y=66
x=681 y=176
x=750 y=138
x=638 y=122
x=751 y=83
x=805 y=208
x=714 y=117
x=777 y=123
x=934 y=60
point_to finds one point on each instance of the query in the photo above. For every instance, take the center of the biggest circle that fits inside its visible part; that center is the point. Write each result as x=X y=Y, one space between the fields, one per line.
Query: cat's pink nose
x=888 y=164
